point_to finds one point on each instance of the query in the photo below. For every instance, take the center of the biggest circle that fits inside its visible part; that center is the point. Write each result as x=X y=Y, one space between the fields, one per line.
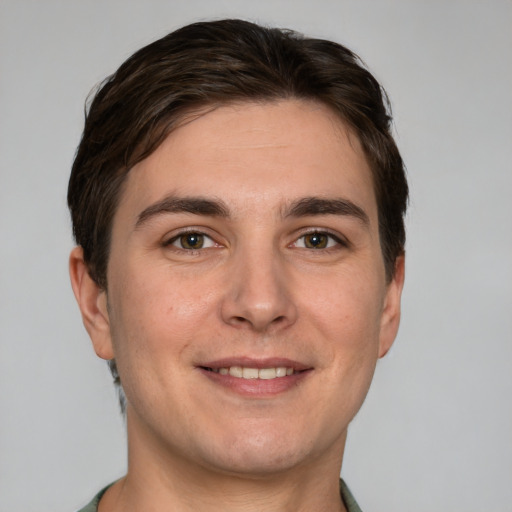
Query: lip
x=249 y=362
x=256 y=388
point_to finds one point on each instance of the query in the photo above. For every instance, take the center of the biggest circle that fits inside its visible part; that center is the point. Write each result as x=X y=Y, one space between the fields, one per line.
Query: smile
x=256 y=378
x=243 y=372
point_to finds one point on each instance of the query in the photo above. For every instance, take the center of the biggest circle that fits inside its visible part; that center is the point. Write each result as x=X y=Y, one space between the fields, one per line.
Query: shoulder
x=92 y=506
x=347 y=498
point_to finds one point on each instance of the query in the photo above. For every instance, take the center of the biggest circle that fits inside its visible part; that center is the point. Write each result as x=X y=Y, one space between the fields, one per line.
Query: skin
x=256 y=290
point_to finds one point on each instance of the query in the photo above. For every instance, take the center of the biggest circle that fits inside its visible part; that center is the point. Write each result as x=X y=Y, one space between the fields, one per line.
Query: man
x=238 y=200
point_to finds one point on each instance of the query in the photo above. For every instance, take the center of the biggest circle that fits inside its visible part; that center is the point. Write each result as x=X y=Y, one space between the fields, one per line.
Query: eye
x=317 y=240
x=191 y=241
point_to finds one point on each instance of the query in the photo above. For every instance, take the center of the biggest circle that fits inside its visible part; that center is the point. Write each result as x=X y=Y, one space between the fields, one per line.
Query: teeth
x=281 y=372
x=267 y=373
x=250 y=373
x=255 y=373
x=236 y=371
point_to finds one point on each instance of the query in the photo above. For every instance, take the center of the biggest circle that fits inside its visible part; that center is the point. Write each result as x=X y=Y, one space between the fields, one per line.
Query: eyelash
x=183 y=234
x=338 y=241
x=331 y=237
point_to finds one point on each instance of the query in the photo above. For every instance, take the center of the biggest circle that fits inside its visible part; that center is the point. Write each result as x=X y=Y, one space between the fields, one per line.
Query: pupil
x=192 y=241
x=316 y=241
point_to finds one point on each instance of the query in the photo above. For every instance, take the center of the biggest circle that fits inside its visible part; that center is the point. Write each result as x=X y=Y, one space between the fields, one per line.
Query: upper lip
x=249 y=362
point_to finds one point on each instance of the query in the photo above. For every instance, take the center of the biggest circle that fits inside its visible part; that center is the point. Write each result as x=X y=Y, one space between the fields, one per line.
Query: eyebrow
x=307 y=206
x=325 y=206
x=193 y=205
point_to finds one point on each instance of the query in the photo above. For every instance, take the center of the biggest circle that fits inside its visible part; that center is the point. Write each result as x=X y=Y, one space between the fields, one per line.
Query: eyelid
x=168 y=241
x=337 y=237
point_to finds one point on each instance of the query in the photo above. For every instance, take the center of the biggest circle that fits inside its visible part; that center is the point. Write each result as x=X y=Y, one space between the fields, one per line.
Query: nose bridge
x=257 y=294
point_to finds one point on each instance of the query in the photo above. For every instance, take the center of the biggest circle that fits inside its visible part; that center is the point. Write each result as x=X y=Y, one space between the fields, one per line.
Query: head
x=227 y=101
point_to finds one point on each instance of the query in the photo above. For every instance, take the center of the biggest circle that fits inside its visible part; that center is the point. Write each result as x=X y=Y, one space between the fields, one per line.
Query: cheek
x=153 y=328
x=154 y=316
x=345 y=324
x=349 y=308
x=348 y=317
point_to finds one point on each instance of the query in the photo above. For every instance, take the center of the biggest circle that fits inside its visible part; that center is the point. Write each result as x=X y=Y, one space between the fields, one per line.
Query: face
x=247 y=302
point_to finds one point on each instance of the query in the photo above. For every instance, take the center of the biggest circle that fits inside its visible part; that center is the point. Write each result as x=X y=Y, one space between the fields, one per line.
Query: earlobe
x=92 y=301
x=390 y=319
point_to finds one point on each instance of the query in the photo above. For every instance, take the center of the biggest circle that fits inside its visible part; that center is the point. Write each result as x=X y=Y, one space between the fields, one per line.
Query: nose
x=258 y=295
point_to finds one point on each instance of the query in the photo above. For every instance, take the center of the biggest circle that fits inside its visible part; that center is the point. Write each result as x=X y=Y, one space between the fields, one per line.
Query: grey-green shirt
x=345 y=493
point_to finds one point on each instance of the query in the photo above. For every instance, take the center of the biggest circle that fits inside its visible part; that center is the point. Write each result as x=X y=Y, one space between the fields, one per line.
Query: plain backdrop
x=435 y=433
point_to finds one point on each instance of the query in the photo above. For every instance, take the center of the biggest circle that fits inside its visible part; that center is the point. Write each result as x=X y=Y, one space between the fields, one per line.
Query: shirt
x=345 y=494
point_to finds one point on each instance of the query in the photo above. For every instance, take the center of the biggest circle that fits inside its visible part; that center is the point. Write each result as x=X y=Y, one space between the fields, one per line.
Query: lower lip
x=257 y=387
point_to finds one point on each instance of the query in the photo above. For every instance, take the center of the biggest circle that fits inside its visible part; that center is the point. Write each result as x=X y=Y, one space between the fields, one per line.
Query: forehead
x=256 y=155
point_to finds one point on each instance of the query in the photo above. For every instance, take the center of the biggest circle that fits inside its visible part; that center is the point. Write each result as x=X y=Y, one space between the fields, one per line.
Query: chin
x=263 y=452
x=258 y=463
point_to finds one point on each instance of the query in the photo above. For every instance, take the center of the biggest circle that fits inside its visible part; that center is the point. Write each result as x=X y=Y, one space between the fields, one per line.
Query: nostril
x=241 y=321
x=247 y=311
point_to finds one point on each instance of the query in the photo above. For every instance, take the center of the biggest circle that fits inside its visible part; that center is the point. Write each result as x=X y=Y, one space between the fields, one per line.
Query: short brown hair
x=213 y=63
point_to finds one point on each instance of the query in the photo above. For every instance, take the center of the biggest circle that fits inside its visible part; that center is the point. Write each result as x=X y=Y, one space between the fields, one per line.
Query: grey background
x=435 y=433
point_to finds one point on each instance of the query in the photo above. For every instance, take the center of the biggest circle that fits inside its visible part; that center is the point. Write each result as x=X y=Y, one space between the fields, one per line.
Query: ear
x=92 y=301
x=390 y=319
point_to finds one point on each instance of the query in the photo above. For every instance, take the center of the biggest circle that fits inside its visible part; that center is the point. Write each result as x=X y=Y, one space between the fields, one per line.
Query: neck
x=163 y=480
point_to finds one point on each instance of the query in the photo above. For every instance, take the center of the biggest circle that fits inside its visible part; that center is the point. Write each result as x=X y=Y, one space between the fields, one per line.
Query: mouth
x=246 y=372
x=256 y=377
